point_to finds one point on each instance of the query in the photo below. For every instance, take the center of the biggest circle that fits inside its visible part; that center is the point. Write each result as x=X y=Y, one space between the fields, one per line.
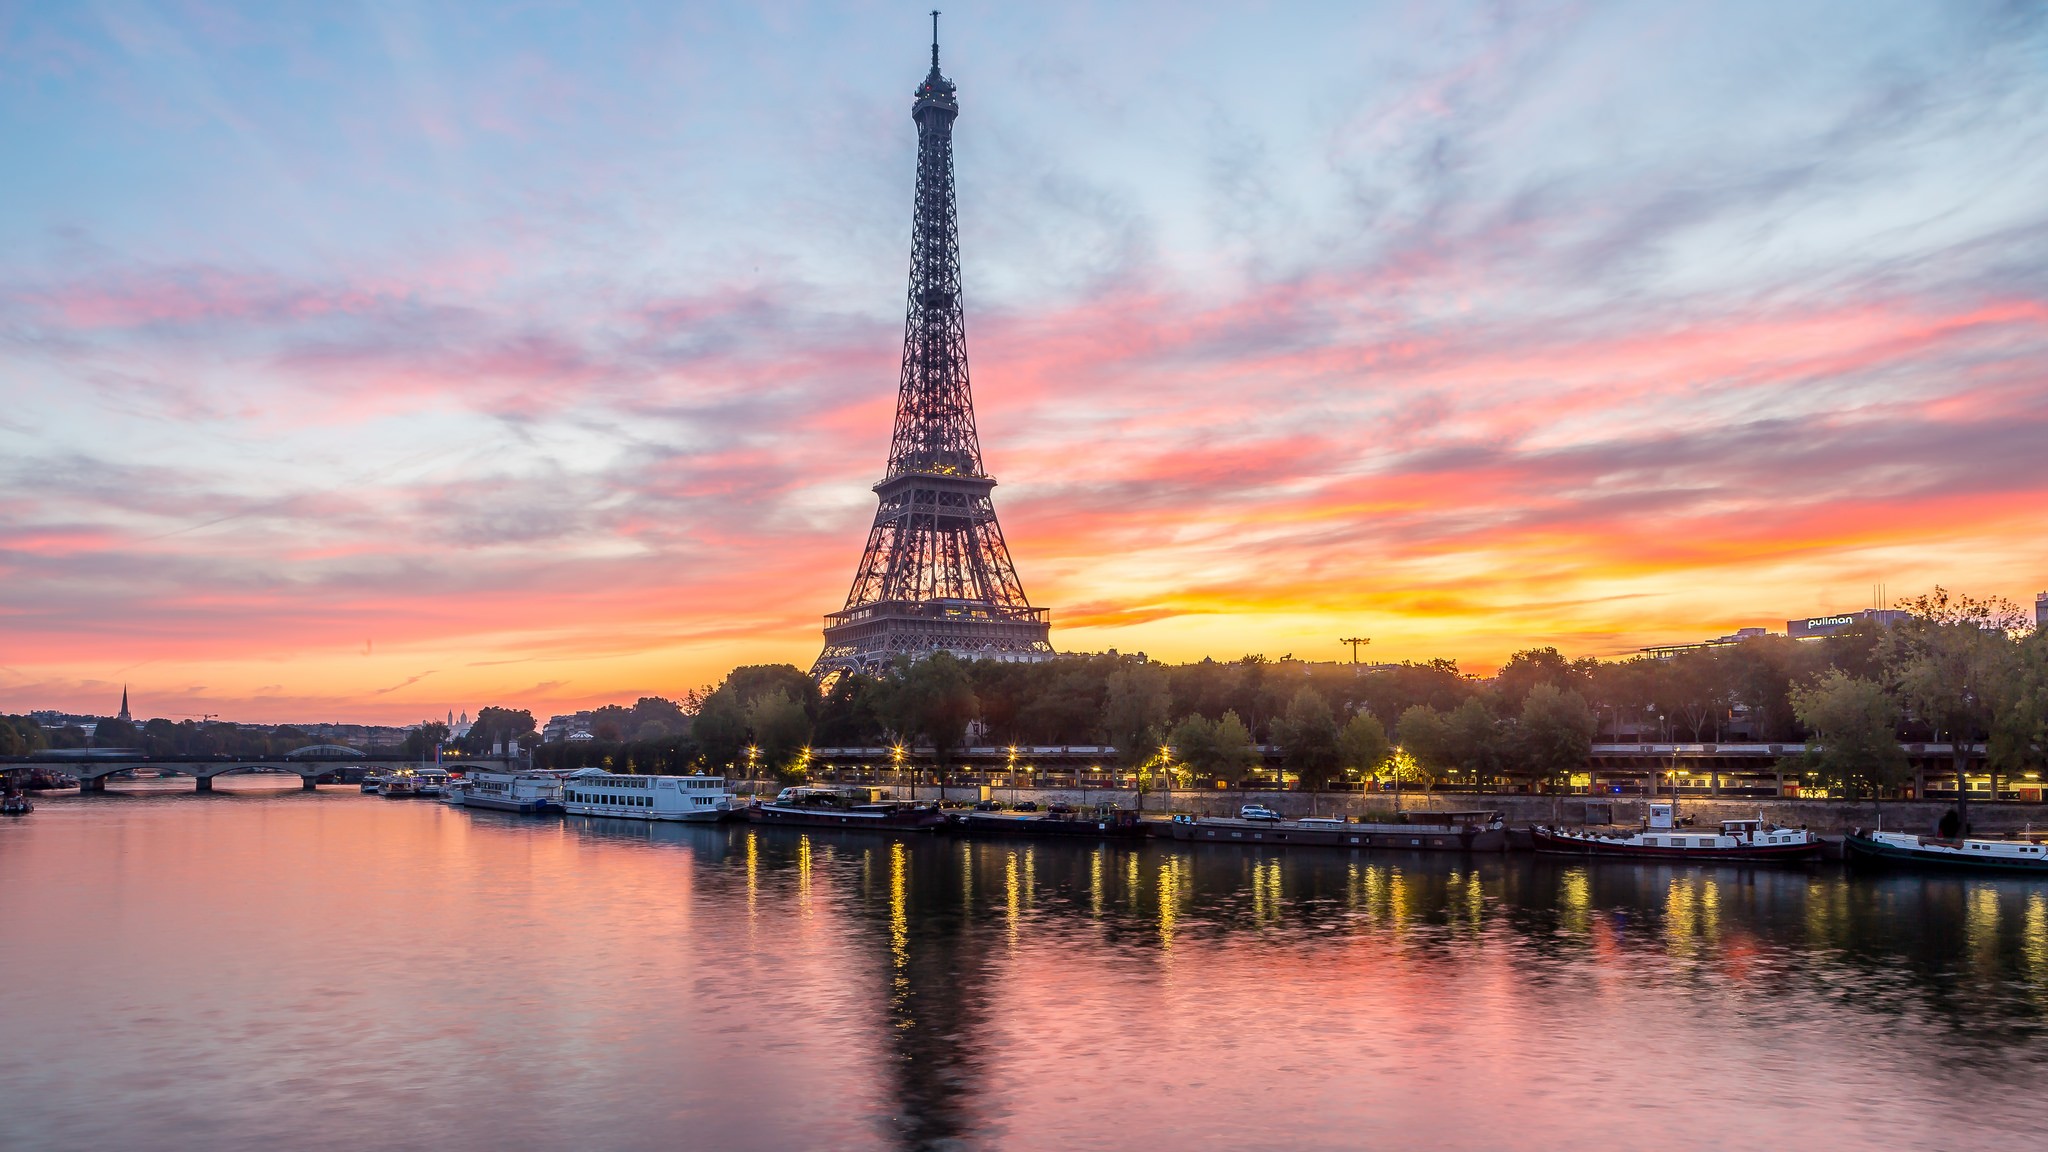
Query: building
x=936 y=574
x=2041 y=610
x=575 y=726
x=1667 y=651
x=1815 y=627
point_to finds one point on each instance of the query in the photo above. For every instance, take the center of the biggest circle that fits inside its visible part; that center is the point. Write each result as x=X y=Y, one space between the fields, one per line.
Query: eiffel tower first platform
x=936 y=575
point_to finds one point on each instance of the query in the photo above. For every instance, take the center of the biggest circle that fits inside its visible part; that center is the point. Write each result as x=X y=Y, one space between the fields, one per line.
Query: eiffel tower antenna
x=936 y=575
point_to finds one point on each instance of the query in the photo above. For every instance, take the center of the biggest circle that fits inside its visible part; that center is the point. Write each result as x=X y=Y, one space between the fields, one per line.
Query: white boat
x=430 y=782
x=595 y=792
x=1867 y=846
x=534 y=793
x=398 y=785
x=1739 y=841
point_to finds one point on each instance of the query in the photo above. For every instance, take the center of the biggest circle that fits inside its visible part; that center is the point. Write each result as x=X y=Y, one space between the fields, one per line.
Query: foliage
x=1362 y=745
x=20 y=736
x=1555 y=734
x=421 y=741
x=781 y=731
x=1426 y=739
x=493 y=726
x=1854 y=721
x=1135 y=711
x=1307 y=735
x=931 y=699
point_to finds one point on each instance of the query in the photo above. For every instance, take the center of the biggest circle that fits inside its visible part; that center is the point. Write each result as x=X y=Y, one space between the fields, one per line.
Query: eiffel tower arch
x=936 y=575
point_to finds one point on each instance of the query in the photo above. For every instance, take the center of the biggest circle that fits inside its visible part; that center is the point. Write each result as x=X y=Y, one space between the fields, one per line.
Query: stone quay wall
x=1827 y=817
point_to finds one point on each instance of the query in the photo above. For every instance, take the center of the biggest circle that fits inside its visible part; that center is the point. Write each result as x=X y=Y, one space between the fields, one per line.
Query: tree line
x=1958 y=669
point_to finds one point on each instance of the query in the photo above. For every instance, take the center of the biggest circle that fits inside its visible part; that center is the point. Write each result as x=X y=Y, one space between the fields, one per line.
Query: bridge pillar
x=205 y=783
x=309 y=783
x=88 y=784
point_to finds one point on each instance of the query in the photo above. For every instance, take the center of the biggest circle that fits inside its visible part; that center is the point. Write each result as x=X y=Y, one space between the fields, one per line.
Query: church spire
x=124 y=704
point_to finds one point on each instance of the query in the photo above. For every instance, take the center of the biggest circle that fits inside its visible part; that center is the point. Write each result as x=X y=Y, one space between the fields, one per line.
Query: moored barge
x=1098 y=822
x=1479 y=831
x=852 y=808
x=1891 y=849
x=1736 y=842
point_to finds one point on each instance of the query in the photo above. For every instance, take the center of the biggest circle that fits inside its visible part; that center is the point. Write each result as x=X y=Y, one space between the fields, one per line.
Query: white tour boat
x=535 y=793
x=595 y=792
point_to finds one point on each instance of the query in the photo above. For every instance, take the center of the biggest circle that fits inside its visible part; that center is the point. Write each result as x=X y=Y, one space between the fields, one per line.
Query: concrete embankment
x=1827 y=817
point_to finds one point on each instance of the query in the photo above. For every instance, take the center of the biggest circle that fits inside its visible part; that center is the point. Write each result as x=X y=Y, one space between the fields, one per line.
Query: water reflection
x=820 y=988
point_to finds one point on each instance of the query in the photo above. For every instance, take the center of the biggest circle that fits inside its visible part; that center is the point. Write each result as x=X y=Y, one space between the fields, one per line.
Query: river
x=262 y=968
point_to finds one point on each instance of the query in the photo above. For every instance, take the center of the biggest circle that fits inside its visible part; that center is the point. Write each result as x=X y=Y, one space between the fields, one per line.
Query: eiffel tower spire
x=936 y=574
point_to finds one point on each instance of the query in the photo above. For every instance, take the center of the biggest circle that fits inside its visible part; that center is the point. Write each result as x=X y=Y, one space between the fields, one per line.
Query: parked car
x=1059 y=809
x=1258 y=812
x=989 y=806
x=1027 y=806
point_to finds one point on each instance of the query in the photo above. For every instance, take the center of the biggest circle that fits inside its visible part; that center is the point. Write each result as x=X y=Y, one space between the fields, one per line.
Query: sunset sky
x=364 y=362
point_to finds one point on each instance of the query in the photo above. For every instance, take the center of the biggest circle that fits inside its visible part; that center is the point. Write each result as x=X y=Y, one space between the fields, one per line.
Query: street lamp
x=753 y=757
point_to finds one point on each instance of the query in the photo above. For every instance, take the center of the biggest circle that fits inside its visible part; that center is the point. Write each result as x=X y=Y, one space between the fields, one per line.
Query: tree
x=20 y=736
x=1854 y=722
x=1946 y=662
x=1134 y=715
x=421 y=741
x=1555 y=733
x=1426 y=739
x=1235 y=755
x=494 y=726
x=2019 y=711
x=846 y=716
x=724 y=723
x=1362 y=746
x=934 y=699
x=1526 y=669
x=1193 y=741
x=781 y=731
x=115 y=732
x=1477 y=741
x=1307 y=735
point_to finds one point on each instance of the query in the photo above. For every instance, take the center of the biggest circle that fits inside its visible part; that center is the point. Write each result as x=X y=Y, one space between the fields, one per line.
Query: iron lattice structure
x=936 y=575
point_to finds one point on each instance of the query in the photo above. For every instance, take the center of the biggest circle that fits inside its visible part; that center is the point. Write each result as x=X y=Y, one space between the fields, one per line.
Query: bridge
x=93 y=767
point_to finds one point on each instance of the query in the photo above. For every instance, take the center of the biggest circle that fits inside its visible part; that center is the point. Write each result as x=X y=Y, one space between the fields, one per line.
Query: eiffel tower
x=936 y=575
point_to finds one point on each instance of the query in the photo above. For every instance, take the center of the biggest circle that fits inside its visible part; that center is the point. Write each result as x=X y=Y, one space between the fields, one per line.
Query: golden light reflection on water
x=1980 y=925
x=1095 y=883
x=1013 y=896
x=1397 y=901
x=1169 y=899
x=966 y=877
x=803 y=876
x=753 y=874
x=899 y=927
x=1692 y=914
x=1132 y=882
x=2034 y=943
x=1575 y=901
x=1265 y=884
x=1372 y=888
